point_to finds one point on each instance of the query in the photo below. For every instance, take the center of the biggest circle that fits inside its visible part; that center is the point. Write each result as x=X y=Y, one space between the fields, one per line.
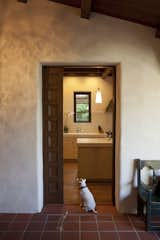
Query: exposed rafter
x=86 y=8
x=107 y=72
x=158 y=32
x=143 y=12
x=23 y=1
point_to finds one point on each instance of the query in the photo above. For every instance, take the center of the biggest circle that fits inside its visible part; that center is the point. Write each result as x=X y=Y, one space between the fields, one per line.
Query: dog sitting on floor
x=88 y=202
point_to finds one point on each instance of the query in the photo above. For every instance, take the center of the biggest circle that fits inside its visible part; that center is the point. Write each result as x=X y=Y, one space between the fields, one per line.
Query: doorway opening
x=68 y=91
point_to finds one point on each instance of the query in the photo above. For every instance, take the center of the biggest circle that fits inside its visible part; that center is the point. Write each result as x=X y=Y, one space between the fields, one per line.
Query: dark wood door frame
x=52 y=134
x=52 y=84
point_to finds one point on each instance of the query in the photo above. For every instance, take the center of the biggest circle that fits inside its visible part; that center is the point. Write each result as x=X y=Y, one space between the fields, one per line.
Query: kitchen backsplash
x=99 y=116
x=103 y=119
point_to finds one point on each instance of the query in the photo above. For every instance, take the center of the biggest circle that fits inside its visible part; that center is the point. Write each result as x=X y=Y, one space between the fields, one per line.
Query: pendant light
x=98 y=96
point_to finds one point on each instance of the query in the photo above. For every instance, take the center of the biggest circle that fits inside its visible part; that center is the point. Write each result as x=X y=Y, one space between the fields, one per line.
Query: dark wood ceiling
x=146 y=12
x=99 y=71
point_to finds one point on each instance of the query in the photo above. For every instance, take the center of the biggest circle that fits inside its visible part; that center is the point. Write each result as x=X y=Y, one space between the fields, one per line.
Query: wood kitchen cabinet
x=95 y=159
x=69 y=147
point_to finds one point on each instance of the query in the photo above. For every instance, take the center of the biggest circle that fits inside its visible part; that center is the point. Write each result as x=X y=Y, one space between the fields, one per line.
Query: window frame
x=89 y=110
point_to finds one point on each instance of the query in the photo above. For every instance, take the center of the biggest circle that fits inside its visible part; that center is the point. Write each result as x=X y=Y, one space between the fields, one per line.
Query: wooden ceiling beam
x=107 y=72
x=86 y=8
x=23 y=1
x=158 y=32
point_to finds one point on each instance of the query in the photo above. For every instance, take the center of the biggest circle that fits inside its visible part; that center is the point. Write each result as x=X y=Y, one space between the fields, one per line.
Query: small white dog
x=88 y=202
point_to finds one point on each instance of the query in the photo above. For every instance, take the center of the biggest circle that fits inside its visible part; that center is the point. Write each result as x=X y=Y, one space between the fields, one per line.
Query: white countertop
x=97 y=142
x=85 y=134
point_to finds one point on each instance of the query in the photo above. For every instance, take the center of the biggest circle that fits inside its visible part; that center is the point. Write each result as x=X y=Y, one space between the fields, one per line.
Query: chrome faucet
x=109 y=134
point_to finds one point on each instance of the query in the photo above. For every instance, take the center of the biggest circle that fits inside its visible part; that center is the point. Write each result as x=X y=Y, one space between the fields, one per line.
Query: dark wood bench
x=148 y=199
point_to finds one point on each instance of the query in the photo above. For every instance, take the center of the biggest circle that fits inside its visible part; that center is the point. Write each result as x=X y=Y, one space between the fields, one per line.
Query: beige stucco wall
x=46 y=32
x=99 y=116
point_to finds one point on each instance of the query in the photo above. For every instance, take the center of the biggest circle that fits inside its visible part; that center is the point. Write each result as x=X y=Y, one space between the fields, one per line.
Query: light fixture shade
x=98 y=96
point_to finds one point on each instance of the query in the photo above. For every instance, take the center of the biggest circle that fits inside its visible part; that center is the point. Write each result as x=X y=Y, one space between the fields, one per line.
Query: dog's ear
x=79 y=180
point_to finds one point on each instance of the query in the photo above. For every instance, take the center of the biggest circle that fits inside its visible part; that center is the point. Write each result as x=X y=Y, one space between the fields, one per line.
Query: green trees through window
x=82 y=106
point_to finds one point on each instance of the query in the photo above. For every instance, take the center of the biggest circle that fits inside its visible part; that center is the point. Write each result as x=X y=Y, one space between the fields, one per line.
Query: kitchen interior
x=87 y=138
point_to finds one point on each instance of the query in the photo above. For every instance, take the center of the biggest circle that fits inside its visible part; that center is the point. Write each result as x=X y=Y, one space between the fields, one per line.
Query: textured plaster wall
x=46 y=32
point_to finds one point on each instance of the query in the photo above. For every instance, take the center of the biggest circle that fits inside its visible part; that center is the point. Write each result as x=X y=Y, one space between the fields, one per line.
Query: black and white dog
x=88 y=202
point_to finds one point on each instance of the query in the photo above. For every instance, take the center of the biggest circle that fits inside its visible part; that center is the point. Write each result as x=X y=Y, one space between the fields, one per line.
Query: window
x=82 y=107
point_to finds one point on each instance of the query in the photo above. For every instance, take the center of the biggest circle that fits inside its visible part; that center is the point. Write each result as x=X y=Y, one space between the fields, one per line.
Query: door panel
x=53 y=134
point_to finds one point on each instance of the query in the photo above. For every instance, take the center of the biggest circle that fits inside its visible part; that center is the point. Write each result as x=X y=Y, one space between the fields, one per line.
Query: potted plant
x=65 y=129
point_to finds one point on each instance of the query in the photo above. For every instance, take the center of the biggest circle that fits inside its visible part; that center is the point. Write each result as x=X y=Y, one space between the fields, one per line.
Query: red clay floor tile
x=51 y=226
x=103 y=217
x=88 y=226
x=13 y=236
x=89 y=235
x=32 y=236
x=23 y=217
x=7 y=217
x=87 y=218
x=106 y=226
x=139 y=226
x=4 y=226
x=69 y=222
x=54 y=217
x=70 y=236
x=124 y=226
x=51 y=236
x=109 y=236
x=109 y=209
x=39 y=217
x=147 y=236
x=68 y=226
x=121 y=218
x=128 y=235
x=17 y=226
x=72 y=218
x=35 y=226
x=1 y=235
x=73 y=209
x=136 y=218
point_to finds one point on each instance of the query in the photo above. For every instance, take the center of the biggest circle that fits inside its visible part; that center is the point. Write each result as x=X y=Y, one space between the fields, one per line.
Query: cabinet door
x=95 y=163
x=68 y=147
x=75 y=148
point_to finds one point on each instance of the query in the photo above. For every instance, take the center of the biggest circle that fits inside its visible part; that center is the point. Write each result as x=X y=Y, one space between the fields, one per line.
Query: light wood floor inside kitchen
x=101 y=191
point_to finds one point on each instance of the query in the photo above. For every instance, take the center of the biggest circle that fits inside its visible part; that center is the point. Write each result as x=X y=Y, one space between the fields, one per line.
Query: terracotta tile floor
x=68 y=222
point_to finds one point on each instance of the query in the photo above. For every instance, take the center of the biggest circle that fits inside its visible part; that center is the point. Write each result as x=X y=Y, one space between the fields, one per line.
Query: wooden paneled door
x=53 y=134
